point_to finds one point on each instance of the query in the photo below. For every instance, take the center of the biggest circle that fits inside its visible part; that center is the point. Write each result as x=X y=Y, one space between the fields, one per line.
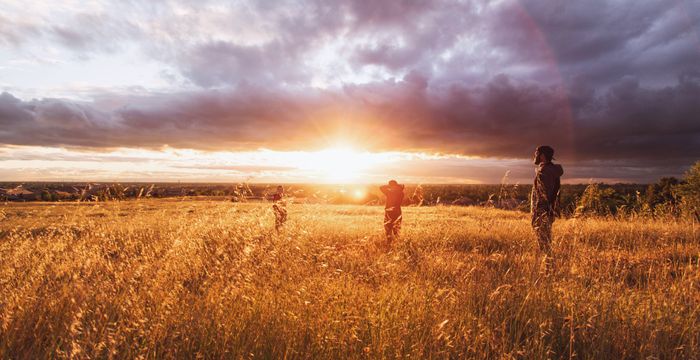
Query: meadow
x=165 y=278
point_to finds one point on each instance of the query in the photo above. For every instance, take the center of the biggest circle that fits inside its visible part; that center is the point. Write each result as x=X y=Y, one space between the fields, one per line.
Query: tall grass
x=167 y=279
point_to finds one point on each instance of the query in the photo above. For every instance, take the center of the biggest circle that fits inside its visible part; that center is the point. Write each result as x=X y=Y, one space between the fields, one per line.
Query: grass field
x=167 y=278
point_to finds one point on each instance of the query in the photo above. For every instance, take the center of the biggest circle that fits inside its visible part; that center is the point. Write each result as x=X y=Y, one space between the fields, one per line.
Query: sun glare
x=343 y=165
x=359 y=194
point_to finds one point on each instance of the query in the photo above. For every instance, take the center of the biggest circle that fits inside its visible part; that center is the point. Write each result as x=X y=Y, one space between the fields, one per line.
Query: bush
x=597 y=200
x=689 y=192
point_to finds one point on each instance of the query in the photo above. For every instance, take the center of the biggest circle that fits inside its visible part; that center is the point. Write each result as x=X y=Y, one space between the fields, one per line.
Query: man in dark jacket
x=392 y=209
x=545 y=196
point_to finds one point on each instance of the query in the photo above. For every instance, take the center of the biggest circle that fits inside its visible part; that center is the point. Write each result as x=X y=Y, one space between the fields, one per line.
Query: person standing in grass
x=392 y=209
x=279 y=207
x=544 y=200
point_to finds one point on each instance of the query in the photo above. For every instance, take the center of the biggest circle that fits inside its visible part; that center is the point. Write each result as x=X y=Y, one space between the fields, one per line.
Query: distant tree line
x=667 y=197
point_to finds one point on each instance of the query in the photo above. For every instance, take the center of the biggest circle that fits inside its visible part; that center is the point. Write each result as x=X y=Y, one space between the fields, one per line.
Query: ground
x=169 y=278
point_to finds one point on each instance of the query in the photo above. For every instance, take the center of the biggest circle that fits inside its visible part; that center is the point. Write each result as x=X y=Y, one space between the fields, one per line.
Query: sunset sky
x=347 y=91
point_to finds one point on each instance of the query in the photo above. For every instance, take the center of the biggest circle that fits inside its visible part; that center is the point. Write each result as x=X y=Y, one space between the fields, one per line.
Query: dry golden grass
x=171 y=279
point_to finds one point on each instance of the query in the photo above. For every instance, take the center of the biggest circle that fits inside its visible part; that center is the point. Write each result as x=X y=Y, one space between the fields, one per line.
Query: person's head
x=544 y=154
x=393 y=183
x=280 y=189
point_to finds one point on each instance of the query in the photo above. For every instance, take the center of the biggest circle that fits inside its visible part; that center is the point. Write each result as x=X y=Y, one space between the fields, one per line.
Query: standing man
x=544 y=201
x=279 y=207
x=392 y=209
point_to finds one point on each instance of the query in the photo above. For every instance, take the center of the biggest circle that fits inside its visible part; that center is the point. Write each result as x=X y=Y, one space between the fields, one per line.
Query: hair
x=393 y=182
x=547 y=151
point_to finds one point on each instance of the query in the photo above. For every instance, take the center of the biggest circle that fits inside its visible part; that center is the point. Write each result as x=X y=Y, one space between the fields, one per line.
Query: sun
x=359 y=194
x=340 y=164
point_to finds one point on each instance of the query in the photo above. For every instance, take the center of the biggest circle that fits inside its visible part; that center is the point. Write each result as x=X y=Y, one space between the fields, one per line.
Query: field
x=170 y=279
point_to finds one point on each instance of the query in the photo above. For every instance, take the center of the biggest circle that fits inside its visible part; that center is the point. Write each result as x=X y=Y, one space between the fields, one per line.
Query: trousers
x=392 y=223
x=542 y=220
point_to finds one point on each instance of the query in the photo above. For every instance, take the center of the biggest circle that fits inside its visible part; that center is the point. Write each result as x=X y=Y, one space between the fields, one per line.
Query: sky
x=347 y=90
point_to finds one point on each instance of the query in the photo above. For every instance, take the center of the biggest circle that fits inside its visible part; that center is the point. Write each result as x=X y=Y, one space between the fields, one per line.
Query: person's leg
x=388 y=226
x=283 y=214
x=544 y=237
x=546 y=245
x=542 y=225
x=278 y=217
x=392 y=225
x=397 y=226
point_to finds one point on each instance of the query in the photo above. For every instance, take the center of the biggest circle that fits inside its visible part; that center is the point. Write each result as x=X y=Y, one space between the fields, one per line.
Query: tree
x=597 y=200
x=661 y=192
x=689 y=191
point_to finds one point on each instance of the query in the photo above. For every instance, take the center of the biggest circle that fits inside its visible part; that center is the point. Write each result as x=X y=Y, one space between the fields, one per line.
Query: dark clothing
x=394 y=196
x=392 y=210
x=544 y=202
x=392 y=224
x=547 y=184
x=542 y=225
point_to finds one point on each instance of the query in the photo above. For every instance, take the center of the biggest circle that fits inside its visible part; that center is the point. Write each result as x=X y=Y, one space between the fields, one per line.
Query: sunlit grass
x=179 y=279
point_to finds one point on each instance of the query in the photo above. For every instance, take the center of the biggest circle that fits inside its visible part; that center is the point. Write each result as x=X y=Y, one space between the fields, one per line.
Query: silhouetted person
x=392 y=209
x=279 y=207
x=545 y=198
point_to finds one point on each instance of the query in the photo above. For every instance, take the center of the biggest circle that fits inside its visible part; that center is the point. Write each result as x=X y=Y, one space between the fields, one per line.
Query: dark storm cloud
x=600 y=42
x=398 y=35
x=416 y=38
x=596 y=40
x=504 y=118
x=603 y=41
x=51 y=121
x=206 y=120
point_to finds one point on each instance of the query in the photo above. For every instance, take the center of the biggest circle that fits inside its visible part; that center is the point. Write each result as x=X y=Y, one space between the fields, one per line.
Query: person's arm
x=384 y=189
x=552 y=181
x=549 y=183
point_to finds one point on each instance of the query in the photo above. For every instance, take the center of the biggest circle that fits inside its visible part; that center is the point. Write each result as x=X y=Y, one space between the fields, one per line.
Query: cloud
x=596 y=80
x=239 y=168
x=602 y=41
x=215 y=44
x=14 y=32
x=237 y=64
x=88 y=33
x=503 y=118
